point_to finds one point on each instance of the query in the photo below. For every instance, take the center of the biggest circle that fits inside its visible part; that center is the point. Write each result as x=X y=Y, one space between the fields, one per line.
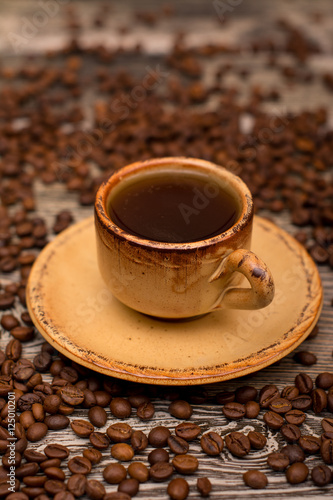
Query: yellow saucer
x=74 y=311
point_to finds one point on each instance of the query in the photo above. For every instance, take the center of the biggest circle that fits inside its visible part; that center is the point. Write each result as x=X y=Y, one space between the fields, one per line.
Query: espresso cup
x=181 y=280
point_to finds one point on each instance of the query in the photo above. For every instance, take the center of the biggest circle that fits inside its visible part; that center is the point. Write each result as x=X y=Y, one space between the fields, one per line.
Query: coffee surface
x=173 y=208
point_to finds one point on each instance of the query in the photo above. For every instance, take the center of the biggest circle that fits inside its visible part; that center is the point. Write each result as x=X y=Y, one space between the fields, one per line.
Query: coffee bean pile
x=285 y=159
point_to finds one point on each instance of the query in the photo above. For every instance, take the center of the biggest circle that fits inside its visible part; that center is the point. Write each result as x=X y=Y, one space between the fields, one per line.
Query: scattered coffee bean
x=296 y=417
x=56 y=451
x=255 y=479
x=273 y=420
x=310 y=444
x=139 y=441
x=238 y=444
x=204 y=486
x=95 y=489
x=321 y=475
x=178 y=445
x=278 y=461
x=302 y=402
x=180 y=409
x=93 y=455
x=129 y=486
x=188 y=431
x=82 y=428
x=161 y=471
x=139 y=471
x=77 y=484
x=79 y=465
x=294 y=453
x=252 y=409
x=290 y=392
x=122 y=451
x=326 y=450
x=234 y=411
x=178 y=489
x=297 y=473
x=158 y=455
x=114 y=473
x=305 y=358
x=324 y=380
x=56 y=422
x=158 y=436
x=257 y=440
x=280 y=405
x=303 y=383
x=99 y=440
x=120 y=408
x=212 y=443
x=119 y=432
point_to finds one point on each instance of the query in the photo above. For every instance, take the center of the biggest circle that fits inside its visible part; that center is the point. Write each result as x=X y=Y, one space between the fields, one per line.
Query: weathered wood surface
x=201 y=21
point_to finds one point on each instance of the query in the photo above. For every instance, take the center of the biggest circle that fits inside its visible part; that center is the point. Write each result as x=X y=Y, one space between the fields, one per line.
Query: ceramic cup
x=182 y=280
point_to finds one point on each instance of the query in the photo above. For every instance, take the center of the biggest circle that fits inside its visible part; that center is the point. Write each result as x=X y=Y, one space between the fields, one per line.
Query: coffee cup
x=180 y=279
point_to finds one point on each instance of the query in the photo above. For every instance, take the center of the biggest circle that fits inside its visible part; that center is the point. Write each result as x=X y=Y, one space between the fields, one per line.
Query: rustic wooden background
x=200 y=20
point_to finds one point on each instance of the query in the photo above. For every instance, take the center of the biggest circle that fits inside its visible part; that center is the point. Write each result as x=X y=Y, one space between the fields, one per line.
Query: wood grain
x=200 y=20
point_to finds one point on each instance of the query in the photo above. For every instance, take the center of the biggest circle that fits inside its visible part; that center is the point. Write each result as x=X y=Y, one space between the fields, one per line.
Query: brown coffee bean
x=326 y=450
x=305 y=358
x=273 y=420
x=54 y=473
x=280 y=405
x=77 y=484
x=129 y=486
x=278 y=461
x=13 y=350
x=62 y=495
x=11 y=459
x=53 y=486
x=178 y=445
x=158 y=455
x=99 y=440
x=302 y=402
x=27 y=469
x=310 y=444
x=158 y=436
x=234 y=411
x=23 y=333
x=17 y=495
x=139 y=471
x=8 y=322
x=252 y=409
x=56 y=422
x=79 y=465
x=267 y=394
x=161 y=471
x=212 y=443
x=93 y=455
x=55 y=450
x=51 y=462
x=36 y=431
x=145 y=411
x=97 y=416
x=178 y=489
x=225 y=397
x=6 y=301
x=257 y=440
x=327 y=424
x=295 y=417
x=32 y=492
x=321 y=475
x=119 y=432
x=319 y=400
x=294 y=453
x=114 y=473
x=324 y=380
x=297 y=473
x=238 y=444
x=42 y=362
x=117 y=495
x=38 y=412
x=34 y=456
x=204 y=486
x=122 y=451
x=290 y=432
x=139 y=441
x=303 y=383
x=95 y=489
x=245 y=394
x=120 y=408
x=23 y=370
x=255 y=479
x=136 y=400
x=187 y=431
x=290 y=392
x=71 y=395
x=82 y=428
x=180 y=409
x=70 y=374
x=185 y=464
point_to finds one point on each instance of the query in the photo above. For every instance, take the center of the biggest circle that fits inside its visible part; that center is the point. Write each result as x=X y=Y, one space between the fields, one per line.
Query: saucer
x=71 y=307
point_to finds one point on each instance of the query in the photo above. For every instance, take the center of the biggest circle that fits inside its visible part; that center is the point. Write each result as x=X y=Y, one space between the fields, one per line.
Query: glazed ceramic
x=181 y=280
x=76 y=313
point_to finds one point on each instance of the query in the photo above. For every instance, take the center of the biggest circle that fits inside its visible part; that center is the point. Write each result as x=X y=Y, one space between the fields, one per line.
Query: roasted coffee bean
x=42 y=362
x=70 y=374
x=117 y=495
x=225 y=397
x=321 y=475
x=51 y=462
x=33 y=492
x=273 y=420
x=114 y=473
x=17 y=495
x=238 y=444
x=120 y=408
x=34 y=456
x=212 y=443
x=180 y=409
x=56 y=367
x=278 y=461
x=330 y=402
x=129 y=486
x=245 y=394
x=36 y=431
x=327 y=424
x=89 y=397
x=187 y=431
x=62 y=495
x=303 y=383
x=185 y=464
x=38 y=412
x=145 y=411
x=77 y=484
x=139 y=441
x=138 y=399
x=319 y=400
x=119 y=432
x=290 y=392
x=257 y=440
x=27 y=469
x=122 y=451
x=161 y=471
x=54 y=473
x=95 y=489
x=294 y=453
x=139 y=471
x=11 y=459
x=23 y=370
x=280 y=405
x=71 y=395
x=93 y=455
x=55 y=450
x=290 y=432
x=97 y=416
x=99 y=440
x=178 y=445
x=56 y=422
x=53 y=486
x=13 y=349
x=79 y=465
x=305 y=358
x=302 y=402
x=204 y=486
x=8 y=322
x=234 y=411
x=82 y=428
x=23 y=333
x=255 y=479
x=267 y=394
x=297 y=473
x=310 y=444
x=158 y=455
x=252 y=409
x=295 y=417
x=326 y=450
x=324 y=380
x=158 y=436
x=178 y=489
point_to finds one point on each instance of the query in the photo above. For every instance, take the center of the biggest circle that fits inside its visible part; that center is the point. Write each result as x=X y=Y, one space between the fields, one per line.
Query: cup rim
x=236 y=182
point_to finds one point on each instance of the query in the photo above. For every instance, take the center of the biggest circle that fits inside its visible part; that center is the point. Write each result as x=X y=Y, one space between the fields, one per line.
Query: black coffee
x=174 y=207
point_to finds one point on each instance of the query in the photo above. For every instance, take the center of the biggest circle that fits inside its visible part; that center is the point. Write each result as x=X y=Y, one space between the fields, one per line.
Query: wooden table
x=200 y=20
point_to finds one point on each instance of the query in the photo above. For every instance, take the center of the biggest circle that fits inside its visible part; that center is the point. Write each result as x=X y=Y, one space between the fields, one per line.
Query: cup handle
x=257 y=273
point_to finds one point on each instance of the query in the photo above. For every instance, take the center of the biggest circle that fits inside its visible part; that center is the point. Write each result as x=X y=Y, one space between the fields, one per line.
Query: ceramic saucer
x=74 y=311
